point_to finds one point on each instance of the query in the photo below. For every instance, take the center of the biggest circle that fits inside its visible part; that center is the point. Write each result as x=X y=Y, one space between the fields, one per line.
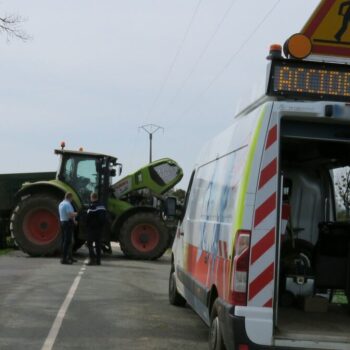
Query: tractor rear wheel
x=144 y=236
x=35 y=225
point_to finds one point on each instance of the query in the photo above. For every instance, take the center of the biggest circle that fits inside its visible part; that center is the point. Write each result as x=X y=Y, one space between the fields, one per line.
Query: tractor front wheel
x=144 y=236
x=35 y=225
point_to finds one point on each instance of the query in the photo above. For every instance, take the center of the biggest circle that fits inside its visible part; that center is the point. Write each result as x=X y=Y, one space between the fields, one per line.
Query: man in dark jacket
x=96 y=220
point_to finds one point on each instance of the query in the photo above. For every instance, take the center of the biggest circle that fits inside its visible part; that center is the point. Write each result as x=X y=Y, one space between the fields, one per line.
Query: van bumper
x=234 y=332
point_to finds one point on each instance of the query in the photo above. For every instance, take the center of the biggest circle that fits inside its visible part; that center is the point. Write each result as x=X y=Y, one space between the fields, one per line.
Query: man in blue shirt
x=67 y=218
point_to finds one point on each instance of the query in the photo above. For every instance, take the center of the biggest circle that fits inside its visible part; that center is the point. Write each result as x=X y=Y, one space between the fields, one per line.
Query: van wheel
x=175 y=298
x=216 y=341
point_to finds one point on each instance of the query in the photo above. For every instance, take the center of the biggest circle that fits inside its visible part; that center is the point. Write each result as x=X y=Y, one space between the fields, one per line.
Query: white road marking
x=55 y=328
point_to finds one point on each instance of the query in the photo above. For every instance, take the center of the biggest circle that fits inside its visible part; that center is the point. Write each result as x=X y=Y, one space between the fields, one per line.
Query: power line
x=172 y=65
x=233 y=56
x=203 y=52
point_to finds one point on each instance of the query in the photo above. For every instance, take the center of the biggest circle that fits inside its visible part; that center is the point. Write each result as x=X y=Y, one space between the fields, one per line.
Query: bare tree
x=10 y=25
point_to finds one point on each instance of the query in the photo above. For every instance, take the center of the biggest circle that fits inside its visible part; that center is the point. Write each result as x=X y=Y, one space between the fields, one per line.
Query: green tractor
x=135 y=204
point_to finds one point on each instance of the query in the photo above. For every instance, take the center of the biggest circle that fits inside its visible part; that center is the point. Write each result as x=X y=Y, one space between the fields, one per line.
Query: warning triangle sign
x=329 y=28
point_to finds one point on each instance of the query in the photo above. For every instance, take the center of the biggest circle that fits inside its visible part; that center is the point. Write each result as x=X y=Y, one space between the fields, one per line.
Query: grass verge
x=5 y=251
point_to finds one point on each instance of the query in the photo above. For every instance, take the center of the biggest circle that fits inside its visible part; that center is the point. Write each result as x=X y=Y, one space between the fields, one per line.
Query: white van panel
x=305 y=344
x=234 y=137
x=258 y=322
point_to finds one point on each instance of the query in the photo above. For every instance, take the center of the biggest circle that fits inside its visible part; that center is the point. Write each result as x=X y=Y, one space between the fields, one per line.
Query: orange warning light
x=275 y=51
x=81 y=149
x=63 y=144
x=298 y=46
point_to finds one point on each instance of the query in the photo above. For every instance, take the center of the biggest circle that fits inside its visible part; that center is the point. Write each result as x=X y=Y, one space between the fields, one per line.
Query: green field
x=5 y=251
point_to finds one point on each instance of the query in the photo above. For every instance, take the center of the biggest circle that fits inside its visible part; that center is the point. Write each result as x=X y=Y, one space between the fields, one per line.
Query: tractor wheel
x=78 y=243
x=144 y=236
x=35 y=225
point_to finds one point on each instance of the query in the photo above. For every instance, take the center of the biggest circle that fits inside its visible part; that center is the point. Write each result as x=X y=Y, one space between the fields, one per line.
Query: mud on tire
x=144 y=236
x=35 y=225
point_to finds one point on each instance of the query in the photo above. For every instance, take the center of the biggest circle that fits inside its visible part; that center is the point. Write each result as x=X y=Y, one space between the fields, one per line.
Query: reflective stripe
x=101 y=207
x=262 y=260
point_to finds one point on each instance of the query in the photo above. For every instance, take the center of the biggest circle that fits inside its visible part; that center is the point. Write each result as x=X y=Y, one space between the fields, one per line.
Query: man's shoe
x=66 y=262
x=98 y=262
x=91 y=263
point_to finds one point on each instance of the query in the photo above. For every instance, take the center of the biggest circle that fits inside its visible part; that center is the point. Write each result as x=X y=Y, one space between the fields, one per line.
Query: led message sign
x=309 y=80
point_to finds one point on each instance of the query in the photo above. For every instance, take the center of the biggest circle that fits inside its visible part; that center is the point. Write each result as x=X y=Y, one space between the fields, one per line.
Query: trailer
x=10 y=184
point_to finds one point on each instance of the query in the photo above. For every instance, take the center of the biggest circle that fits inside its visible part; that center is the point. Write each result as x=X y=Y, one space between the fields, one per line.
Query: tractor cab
x=87 y=172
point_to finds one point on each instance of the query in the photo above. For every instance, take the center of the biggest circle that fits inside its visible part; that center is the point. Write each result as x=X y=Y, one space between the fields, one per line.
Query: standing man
x=95 y=221
x=67 y=218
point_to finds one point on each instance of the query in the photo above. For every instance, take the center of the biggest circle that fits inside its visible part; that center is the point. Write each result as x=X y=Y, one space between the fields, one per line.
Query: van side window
x=188 y=191
x=214 y=189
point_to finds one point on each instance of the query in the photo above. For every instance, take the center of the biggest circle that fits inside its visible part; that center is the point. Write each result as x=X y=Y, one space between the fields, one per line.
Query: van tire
x=35 y=225
x=144 y=236
x=216 y=341
x=175 y=298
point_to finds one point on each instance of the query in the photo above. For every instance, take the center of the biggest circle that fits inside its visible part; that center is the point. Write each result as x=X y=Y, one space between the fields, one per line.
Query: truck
x=135 y=204
x=261 y=252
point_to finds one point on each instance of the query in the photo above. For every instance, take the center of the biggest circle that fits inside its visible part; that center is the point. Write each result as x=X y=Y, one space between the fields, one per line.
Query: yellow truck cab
x=261 y=253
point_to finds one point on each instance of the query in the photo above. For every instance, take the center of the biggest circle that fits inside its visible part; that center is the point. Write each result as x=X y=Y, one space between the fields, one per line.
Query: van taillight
x=239 y=279
x=243 y=347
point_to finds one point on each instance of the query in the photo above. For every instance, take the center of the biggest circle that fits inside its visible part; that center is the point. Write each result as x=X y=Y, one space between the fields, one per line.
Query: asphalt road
x=122 y=304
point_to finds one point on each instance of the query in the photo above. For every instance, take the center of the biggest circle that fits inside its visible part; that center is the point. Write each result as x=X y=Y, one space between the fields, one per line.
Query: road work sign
x=329 y=28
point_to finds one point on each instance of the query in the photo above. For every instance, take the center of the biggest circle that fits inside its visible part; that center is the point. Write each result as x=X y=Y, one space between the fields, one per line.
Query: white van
x=260 y=253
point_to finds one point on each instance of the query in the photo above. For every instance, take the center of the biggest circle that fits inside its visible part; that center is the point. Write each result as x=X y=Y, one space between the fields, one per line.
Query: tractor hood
x=159 y=177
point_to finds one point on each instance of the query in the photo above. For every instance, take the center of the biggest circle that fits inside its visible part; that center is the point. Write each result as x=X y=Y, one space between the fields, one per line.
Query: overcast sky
x=94 y=71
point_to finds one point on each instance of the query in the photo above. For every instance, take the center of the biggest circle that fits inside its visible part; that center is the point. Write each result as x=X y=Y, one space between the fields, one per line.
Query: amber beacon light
x=297 y=46
x=275 y=52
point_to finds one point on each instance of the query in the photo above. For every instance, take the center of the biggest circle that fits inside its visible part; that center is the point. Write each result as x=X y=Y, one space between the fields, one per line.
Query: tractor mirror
x=98 y=165
x=170 y=205
x=120 y=168
x=112 y=172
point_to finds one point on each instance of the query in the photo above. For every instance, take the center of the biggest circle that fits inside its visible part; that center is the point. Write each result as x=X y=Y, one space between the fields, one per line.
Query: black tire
x=216 y=341
x=35 y=225
x=78 y=243
x=144 y=236
x=290 y=251
x=175 y=298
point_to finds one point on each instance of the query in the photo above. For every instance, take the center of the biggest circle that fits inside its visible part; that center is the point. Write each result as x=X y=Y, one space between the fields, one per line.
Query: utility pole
x=150 y=129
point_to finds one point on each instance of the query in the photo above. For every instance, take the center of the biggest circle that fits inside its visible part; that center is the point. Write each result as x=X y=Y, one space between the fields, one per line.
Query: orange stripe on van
x=271 y=137
x=265 y=209
x=262 y=246
x=268 y=303
x=261 y=281
x=268 y=173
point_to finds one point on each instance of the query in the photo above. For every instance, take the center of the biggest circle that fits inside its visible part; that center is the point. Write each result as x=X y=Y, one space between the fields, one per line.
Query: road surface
x=122 y=304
